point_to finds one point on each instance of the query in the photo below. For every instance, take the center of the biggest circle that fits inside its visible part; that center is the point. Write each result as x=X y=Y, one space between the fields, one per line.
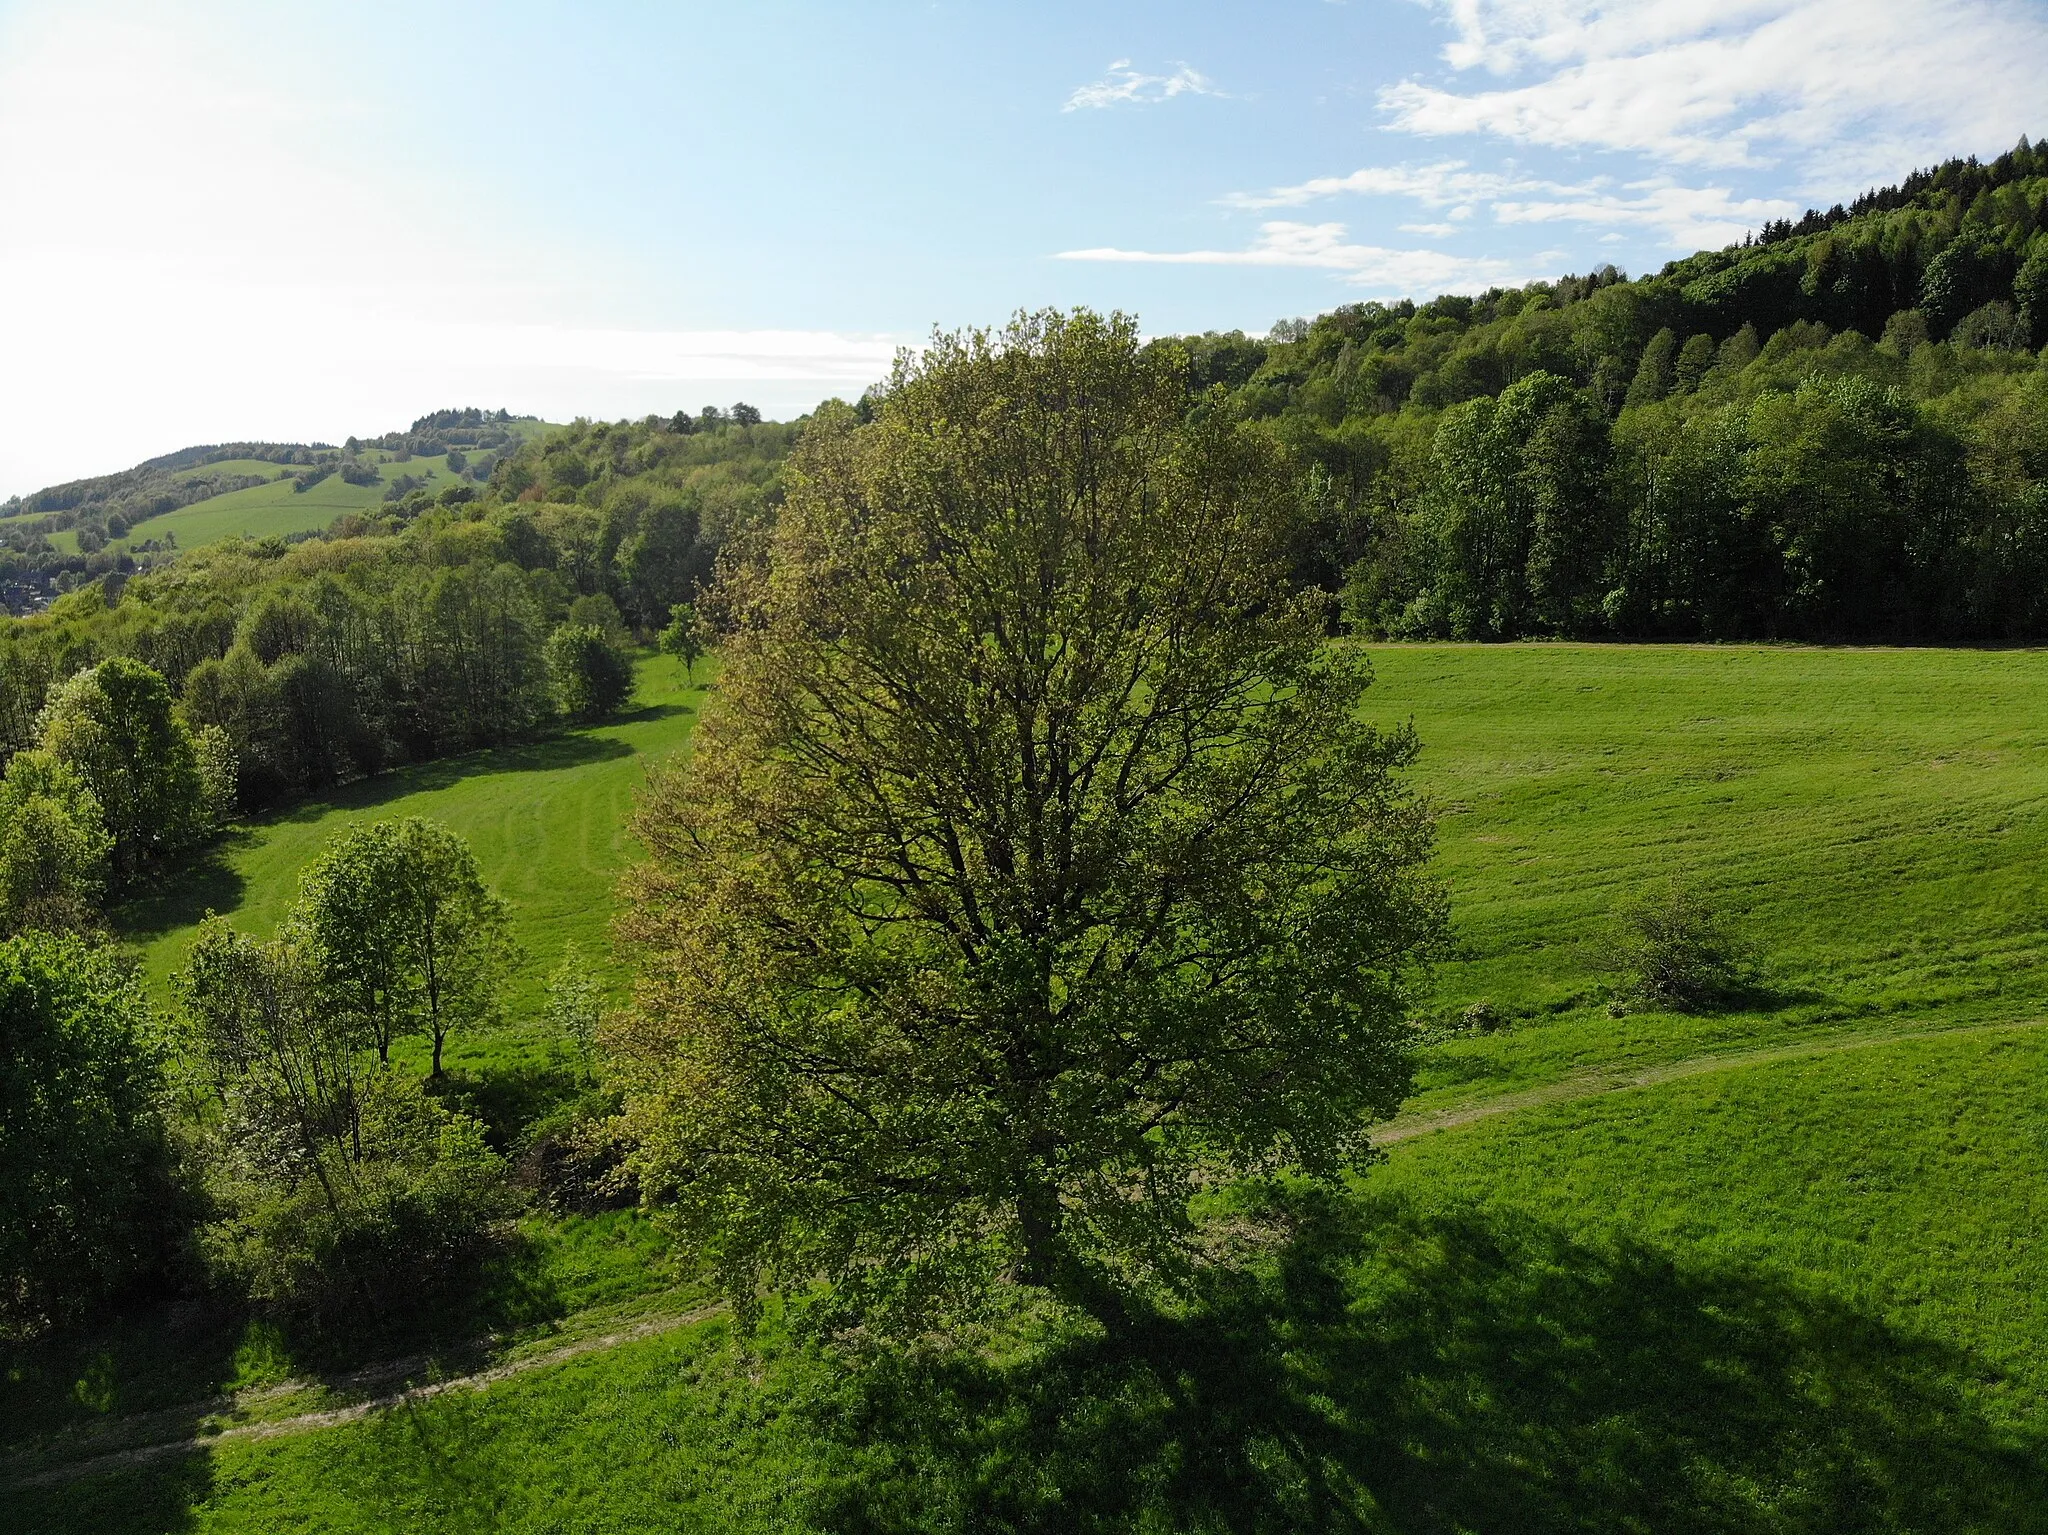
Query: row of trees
x=1839 y=508
x=261 y=1139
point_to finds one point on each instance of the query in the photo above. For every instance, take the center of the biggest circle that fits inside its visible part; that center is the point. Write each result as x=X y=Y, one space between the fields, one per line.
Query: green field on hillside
x=277 y=508
x=547 y=821
x=1797 y=1290
x=1877 y=819
x=273 y=510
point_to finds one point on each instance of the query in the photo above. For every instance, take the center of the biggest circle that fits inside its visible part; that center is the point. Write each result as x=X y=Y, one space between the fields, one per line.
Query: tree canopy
x=1034 y=864
x=83 y=1204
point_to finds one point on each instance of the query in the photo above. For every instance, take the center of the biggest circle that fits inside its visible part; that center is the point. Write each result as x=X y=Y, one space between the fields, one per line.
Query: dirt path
x=121 y=1460
x=1590 y=1084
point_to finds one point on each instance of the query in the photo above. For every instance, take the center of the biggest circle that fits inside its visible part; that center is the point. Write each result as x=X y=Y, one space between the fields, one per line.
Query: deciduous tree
x=403 y=932
x=1036 y=865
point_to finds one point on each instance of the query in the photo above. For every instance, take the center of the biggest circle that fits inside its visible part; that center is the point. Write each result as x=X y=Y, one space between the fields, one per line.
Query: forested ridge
x=1839 y=431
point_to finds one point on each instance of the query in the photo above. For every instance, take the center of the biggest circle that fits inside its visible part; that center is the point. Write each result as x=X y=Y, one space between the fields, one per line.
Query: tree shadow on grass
x=1441 y=1374
x=546 y=755
x=211 y=883
x=208 y=883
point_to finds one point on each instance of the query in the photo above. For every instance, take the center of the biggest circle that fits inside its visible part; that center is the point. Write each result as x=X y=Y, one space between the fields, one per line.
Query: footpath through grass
x=1799 y=1294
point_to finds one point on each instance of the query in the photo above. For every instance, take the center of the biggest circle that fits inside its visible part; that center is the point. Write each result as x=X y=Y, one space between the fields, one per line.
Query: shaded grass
x=1790 y=1299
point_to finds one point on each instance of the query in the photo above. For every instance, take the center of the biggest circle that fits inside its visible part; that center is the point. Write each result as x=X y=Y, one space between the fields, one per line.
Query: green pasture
x=1877 y=819
x=1797 y=1294
x=257 y=466
x=275 y=509
x=547 y=821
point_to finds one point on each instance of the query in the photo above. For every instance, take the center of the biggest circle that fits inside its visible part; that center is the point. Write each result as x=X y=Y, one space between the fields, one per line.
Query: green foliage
x=112 y=725
x=402 y=933
x=592 y=676
x=414 y=1208
x=83 y=1205
x=683 y=638
x=1035 y=869
x=1409 y=501
x=575 y=999
x=54 y=846
x=344 y=1187
x=1674 y=949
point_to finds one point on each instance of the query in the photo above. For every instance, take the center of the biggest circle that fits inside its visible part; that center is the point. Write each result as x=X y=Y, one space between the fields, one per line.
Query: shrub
x=387 y=1231
x=83 y=1198
x=1675 y=950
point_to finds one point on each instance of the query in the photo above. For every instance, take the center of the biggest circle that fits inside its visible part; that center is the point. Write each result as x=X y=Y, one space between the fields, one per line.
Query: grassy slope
x=1878 y=818
x=275 y=509
x=1799 y=1296
x=262 y=511
x=547 y=822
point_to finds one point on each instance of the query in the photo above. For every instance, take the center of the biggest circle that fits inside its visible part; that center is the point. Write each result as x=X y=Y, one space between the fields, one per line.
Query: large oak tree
x=1035 y=865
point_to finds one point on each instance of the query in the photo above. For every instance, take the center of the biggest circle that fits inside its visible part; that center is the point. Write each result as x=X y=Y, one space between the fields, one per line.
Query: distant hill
x=197 y=495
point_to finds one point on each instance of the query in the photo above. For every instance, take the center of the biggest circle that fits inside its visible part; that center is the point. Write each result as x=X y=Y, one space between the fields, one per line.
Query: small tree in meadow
x=592 y=677
x=682 y=638
x=402 y=932
x=575 y=999
x=1674 y=949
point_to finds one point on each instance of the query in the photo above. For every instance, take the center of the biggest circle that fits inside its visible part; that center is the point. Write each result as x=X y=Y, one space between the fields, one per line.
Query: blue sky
x=235 y=220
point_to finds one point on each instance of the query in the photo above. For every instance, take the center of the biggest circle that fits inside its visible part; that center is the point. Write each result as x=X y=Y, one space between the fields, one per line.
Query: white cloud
x=1287 y=244
x=1683 y=217
x=1435 y=185
x=1121 y=83
x=1686 y=218
x=1845 y=91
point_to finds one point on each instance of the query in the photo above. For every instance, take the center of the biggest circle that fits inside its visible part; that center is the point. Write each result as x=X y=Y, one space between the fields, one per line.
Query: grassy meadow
x=275 y=509
x=1798 y=1290
x=547 y=821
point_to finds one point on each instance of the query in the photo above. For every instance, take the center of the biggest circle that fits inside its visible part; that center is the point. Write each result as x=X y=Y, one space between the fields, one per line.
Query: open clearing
x=1789 y=1278
x=548 y=822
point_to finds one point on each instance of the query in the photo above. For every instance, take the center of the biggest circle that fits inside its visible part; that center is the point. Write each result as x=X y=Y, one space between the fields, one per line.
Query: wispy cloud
x=1841 y=90
x=1121 y=84
x=1283 y=243
x=1684 y=217
x=1436 y=185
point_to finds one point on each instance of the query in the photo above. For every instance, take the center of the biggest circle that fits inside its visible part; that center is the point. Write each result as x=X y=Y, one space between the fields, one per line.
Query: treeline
x=433 y=624
x=1837 y=434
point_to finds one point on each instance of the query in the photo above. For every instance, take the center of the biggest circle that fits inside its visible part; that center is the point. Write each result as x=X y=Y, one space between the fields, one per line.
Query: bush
x=83 y=1202
x=1675 y=950
x=386 y=1232
x=592 y=677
